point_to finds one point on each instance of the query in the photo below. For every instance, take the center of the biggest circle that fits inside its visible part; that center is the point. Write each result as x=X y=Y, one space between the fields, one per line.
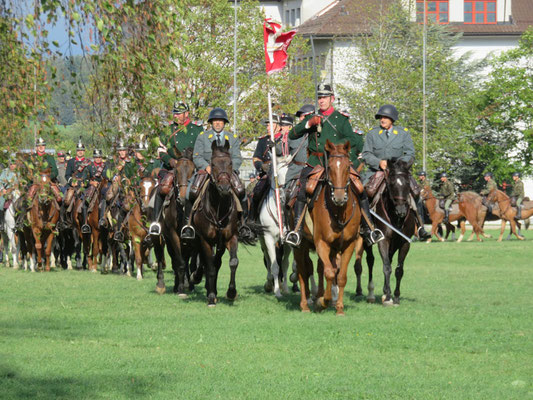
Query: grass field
x=464 y=330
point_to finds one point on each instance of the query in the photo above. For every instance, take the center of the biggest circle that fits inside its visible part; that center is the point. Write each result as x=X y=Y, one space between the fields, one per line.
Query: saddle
x=313 y=178
x=374 y=183
x=197 y=184
x=443 y=201
x=167 y=183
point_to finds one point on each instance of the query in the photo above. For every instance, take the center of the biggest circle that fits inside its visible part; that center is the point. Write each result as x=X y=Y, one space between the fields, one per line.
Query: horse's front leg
x=398 y=272
x=48 y=250
x=286 y=252
x=37 y=235
x=328 y=272
x=159 y=256
x=370 y=297
x=384 y=250
x=358 y=267
x=272 y=265
x=342 y=276
x=232 y=246
x=211 y=272
x=137 y=249
x=178 y=264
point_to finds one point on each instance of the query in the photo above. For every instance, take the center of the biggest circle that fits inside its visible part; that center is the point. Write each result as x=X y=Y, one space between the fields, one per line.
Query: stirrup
x=102 y=223
x=376 y=236
x=187 y=232
x=155 y=229
x=424 y=235
x=293 y=238
x=85 y=228
x=118 y=236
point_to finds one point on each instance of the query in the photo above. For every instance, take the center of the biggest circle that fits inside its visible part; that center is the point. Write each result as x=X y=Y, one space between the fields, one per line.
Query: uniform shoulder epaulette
x=345 y=114
x=201 y=133
x=359 y=131
x=198 y=123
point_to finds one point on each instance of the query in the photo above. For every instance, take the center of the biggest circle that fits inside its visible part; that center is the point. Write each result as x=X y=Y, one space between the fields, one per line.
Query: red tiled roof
x=352 y=17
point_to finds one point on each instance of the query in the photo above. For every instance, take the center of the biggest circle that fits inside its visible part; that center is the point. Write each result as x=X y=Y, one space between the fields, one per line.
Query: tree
x=388 y=70
x=504 y=138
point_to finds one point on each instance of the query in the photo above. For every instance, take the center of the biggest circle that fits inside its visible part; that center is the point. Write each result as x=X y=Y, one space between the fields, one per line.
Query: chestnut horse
x=172 y=222
x=139 y=198
x=335 y=217
x=44 y=215
x=465 y=208
x=507 y=212
x=215 y=221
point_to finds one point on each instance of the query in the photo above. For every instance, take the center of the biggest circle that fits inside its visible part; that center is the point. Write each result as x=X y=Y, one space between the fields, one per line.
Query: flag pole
x=274 y=162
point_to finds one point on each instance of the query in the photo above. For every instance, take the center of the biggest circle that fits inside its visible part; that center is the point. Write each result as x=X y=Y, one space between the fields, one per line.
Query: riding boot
x=187 y=232
x=446 y=216
x=369 y=236
x=244 y=230
x=155 y=227
x=85 y=227
x=422 y=233
x=518 y=212
x=294 y=237
x=420 y=209
x=118 y=236
x=102 y=222
x=2 y=218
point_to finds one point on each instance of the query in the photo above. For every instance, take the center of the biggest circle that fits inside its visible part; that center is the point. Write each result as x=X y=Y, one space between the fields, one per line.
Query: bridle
x=332 y=187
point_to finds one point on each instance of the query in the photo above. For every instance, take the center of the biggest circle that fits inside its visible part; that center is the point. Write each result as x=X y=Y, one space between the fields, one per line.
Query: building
x=293 y=13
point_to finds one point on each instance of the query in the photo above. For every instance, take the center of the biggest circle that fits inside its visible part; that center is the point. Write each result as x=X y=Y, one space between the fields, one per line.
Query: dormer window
x=436 y=11
x=480 y=12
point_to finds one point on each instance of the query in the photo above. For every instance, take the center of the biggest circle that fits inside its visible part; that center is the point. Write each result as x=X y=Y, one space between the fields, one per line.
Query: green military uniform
x=381 y=144
x=335 y=127
x=518 y=193
x=179 y=139
x=447 y=192
x=489 y=187
x=43 y=162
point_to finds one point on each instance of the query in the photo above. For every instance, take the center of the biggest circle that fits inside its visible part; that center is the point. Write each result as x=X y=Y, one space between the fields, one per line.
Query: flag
x=276 y=44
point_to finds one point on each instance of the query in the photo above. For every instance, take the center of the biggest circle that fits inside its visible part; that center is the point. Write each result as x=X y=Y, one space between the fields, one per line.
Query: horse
x=270 y=238
x=393 y=207
x=11 y=244
x=507 y=212
x=136 y=221
x=216 y=222
x=335 y=219
x=173 y=219
x=44 y=215
x=94 y=242
x=466 y=208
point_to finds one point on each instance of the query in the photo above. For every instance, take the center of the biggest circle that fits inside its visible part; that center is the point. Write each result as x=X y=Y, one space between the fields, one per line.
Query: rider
x=61 y=170
x=76 y=175
x=8 y=180
x=202 y=159
x=518 y=193
x=423 y=182
x=182 y=136
x=389 y=141
x=335 y=126
x=489 y=187
x=97 y=171
x=447 y=193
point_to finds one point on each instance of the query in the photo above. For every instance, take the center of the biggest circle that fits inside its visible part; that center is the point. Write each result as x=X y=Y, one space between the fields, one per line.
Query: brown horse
x=336 y=217
x=139 y=199
x=507 y=212
x=44 y=215
x=466 y=208
x=215 y=221
x=172 y=222
x=94 y=243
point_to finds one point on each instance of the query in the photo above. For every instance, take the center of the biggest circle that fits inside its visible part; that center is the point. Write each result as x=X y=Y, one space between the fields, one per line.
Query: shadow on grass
x=18 y=384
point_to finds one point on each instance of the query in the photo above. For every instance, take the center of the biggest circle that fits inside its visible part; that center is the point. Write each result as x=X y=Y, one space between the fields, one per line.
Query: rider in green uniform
x=518 y=193
x=446 y=193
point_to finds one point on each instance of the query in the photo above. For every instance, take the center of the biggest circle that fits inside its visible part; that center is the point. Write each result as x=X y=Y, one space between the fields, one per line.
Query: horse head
x=496 y=195
x=184 y=170
x=44 y=192
x=221 y=168
x=338 y=171
x=398 y=186
x=426 y=192
x=146 y=188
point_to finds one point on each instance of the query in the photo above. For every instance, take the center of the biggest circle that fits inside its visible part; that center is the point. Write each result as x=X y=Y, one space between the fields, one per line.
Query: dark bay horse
x=215 y=221
x=172 y=222
x=393 y=207
x=336 y=217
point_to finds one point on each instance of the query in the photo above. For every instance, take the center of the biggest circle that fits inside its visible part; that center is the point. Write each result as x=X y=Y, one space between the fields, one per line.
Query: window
x=293 y=17
x=436 y=11
x=288 y=17
x=480 y=11
x=298 y=16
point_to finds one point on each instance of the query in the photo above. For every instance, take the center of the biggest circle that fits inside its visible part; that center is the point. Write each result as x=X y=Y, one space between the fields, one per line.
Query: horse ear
x=329 y=146
x=214 y=145
x=409 y=163
x=347 y=146
x=178 y=153
x=226 y=145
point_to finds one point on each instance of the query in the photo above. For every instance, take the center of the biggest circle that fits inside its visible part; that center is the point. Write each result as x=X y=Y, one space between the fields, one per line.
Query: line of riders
x=303 y=142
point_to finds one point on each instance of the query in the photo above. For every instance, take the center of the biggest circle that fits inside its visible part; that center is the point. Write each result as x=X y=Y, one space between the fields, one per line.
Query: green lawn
x=463 y=331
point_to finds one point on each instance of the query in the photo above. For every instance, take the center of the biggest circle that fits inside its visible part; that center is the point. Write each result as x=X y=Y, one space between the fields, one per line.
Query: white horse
x=271 y=238
x=11 y=244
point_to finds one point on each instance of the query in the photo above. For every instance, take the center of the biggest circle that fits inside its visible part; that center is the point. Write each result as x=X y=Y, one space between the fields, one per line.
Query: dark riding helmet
x=389 y=111
x=218 y=113
x=444 y=175
x=489 y=174
x=516 y=174
x=422 y=173
x=306 y=109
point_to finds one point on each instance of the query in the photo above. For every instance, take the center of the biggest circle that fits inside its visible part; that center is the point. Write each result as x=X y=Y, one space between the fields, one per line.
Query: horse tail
x=248 y=238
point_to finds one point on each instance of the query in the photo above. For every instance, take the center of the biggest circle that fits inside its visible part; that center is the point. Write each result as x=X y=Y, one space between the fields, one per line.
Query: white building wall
x=272 y=10
x=456 y=11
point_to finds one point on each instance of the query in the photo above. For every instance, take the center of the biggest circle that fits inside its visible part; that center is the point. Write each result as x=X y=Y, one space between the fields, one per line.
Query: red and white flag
x=276 y=44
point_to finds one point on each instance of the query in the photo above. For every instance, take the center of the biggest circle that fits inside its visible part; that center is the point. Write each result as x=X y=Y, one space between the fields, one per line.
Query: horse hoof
x=371 y=300
x=231 y=294
x=293 y=277
x=340 y=314
x=306 y=310
x=183 y=296
x=211 y=305
x=160 y=290
x=268 y=286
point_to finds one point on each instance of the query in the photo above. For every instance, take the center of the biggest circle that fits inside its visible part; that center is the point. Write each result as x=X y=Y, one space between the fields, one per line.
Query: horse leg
x=211 y=272
x=138 y=257
x=323 y=250
x=178 y=265
x=159 y=255
x=384 y=249
x=272 y=264
x=269 y=284
x=502 y=229
x=301 y=267
x=342 y=277
x=95 y=248
x=286 y=251
x=232 y=246
x=358 y=267
x=463 y=230
x=48 y=250
x=370 y=297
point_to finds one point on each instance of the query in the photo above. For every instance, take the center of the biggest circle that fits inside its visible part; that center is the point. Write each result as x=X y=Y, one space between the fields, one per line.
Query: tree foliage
x=388 y=70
